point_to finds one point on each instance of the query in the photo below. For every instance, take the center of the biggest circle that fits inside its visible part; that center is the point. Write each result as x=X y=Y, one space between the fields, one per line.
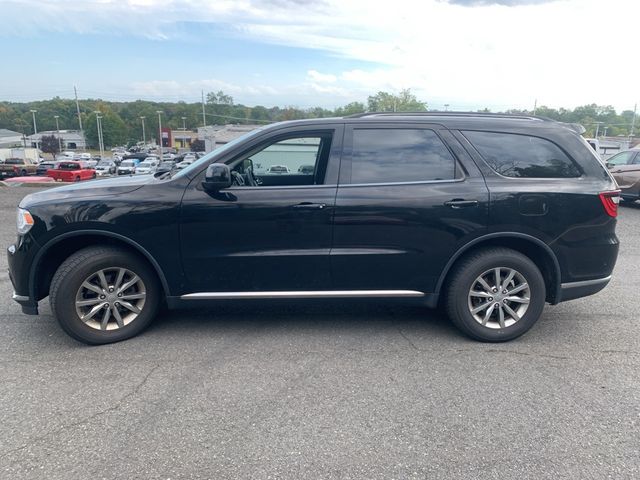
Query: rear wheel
x=77 y=179
x=103 y=295
x=495 y=295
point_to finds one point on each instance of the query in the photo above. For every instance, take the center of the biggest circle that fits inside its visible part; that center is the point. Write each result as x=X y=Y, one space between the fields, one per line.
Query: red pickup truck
x=71 y=172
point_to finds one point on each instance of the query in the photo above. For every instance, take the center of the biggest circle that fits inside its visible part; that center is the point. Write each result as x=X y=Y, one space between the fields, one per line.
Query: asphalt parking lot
x=326 y=390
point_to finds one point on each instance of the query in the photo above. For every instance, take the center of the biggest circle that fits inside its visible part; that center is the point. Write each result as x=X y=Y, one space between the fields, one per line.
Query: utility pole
x=535 y=106
x=35 y=128
x=597 y=129
x=633 y=120
x=75 y=91
x=58 y=130
x=446 y=107
x=144 y=137
x=204 y=117
x=159 y=112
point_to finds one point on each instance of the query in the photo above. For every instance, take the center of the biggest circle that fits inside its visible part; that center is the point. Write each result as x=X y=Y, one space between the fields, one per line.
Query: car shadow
x=310 y=316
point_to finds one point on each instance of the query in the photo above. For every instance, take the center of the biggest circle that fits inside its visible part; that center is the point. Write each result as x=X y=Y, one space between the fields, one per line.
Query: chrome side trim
x=586 y=283
x=303 y=294
x=19 y=298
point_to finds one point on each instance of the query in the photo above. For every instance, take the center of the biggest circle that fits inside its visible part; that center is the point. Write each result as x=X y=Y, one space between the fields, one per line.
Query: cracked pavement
x=325 y=390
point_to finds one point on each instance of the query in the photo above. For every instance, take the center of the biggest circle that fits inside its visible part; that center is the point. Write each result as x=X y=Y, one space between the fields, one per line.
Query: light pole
x=99 y=125
x=35 y=128
x=159 y=112
x=101 y=137
x=184 y=132
x=446 y=107
x=58 y=130
x=144 y=137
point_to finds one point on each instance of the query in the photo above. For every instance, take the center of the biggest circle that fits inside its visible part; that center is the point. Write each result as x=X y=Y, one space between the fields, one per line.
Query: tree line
x=121 y=122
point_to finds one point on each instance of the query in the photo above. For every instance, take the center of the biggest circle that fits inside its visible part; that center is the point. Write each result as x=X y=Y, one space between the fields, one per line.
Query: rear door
x=409 y=196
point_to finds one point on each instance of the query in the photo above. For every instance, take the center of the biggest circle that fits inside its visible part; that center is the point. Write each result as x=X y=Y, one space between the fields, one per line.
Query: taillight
x=610 y=201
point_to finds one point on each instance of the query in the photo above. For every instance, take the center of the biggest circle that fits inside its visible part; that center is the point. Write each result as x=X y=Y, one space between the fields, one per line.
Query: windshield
x=105 y=163
x=195 y=166
x=144 y=165
x=127 y=163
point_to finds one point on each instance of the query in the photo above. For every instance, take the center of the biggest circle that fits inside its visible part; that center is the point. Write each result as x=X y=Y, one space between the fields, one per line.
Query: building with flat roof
x=71 y=139
x=217 y=135
x=9 y=138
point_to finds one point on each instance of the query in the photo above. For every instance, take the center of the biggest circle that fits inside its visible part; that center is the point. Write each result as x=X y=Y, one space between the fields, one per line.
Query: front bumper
x=19 y=258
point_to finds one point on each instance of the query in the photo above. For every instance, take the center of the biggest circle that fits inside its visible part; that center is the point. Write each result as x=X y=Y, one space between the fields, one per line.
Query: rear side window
x=514 y=155
x=399 y=155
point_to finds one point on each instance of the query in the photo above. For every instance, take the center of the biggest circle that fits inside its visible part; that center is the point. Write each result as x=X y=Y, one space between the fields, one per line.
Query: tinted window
x=522 y=156
x=399 y=155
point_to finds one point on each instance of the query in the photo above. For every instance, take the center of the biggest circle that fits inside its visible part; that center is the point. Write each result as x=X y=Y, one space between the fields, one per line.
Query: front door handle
x=461 y=203
x=310 y=206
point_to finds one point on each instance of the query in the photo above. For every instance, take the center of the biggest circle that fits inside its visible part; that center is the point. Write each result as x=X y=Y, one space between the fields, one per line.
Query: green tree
x=50 y=144
x=350 y=109
x=219 y=98
x=388 y=102
x=114 y=130
x=197 y=146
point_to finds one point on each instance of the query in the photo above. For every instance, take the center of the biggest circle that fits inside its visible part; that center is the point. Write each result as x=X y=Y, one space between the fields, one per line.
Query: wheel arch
x=534 y=248
x=45 y=264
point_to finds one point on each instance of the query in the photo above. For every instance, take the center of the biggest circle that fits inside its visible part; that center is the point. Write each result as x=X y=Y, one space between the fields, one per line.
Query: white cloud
x=316 y=76
x=492 y=54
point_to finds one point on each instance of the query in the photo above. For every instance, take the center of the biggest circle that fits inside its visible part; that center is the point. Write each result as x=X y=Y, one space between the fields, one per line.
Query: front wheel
x=495 y=295
x=103 y=295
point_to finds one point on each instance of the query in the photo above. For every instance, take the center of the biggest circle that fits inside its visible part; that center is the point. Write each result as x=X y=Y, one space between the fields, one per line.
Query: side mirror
x=217 y=177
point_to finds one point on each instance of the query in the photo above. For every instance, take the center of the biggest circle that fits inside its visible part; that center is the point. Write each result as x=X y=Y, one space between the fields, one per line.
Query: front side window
x=286 y=162
x=399 y=155
x=514 y=155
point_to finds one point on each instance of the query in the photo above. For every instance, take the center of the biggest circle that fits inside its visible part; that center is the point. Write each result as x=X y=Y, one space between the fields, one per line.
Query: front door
x=271 y=231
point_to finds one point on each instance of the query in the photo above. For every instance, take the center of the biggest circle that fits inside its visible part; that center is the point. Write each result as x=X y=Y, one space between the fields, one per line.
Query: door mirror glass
x=217 y=177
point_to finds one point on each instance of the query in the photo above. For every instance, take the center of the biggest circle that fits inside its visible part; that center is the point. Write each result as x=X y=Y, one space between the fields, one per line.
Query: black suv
x=489 y=216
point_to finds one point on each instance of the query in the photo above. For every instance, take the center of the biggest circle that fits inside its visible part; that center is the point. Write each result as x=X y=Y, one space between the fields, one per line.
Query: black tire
x=463 y=279
x=77 y=179
x=76 y=269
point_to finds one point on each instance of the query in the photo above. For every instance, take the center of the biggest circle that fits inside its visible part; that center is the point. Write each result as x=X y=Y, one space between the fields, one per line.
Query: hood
x=94 y=188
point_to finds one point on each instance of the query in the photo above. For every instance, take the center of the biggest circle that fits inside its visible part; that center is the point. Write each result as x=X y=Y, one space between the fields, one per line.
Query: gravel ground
x=325 y=390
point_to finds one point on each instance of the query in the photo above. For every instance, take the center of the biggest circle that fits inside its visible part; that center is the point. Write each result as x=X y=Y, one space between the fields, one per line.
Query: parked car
x=488 y=215
x=16 y=167
x=278 y=169
x=146 y=168
x=306 y=169
x=166 y=167
x=128 y=167
x=41 y=169
x=183 y=164
x=625 y=168
x=71 y=172
x=106 y=167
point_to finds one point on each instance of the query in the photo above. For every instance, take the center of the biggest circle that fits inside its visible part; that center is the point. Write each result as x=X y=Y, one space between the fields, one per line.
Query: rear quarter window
x=524 y=156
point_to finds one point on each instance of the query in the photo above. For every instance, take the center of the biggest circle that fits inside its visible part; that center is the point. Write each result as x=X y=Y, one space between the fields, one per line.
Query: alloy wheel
x=110 y=298
x=499 y=297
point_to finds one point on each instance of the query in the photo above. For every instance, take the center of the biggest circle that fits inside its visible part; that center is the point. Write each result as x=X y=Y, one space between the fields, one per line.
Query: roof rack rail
x=449 y=114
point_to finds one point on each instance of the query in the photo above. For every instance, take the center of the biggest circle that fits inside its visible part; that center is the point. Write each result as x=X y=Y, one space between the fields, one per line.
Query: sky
x=466 y=54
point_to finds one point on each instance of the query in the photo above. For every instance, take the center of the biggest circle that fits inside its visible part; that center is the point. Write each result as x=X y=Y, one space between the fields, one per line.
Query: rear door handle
x=310 y=206
x=460 y=203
